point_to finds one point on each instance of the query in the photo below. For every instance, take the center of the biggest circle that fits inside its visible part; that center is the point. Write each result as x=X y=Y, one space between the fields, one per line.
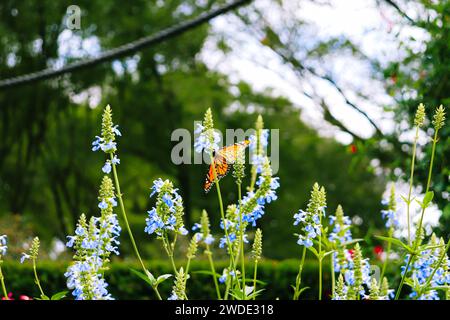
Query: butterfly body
x=222 y=161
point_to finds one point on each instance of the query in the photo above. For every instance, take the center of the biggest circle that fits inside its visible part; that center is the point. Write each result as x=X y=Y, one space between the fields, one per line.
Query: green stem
x=320 y=278
x=213 y=269
x=430 y=171
x=254 y=279
x=419 y=227
x=411 y=184
x=320 y=261
x=397 y=295
x=36 y=278
x=127 y=225
x=253 y=179
x=169 y=250
x=388 y=252
x=222 y=214
x=2 y=280
x=333 y=277
x=298 y=280
x=187 y=275
x=241 y=236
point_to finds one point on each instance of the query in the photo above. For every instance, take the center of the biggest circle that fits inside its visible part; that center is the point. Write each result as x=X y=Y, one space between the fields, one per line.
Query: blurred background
x=340 y=79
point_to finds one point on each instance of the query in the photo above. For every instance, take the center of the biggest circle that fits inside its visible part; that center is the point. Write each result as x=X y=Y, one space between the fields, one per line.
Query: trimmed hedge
x=123 y=284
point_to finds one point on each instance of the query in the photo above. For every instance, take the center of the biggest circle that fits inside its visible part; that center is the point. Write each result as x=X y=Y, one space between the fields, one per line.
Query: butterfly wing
x=230 y=153
x=221 y=169
x=222 y=162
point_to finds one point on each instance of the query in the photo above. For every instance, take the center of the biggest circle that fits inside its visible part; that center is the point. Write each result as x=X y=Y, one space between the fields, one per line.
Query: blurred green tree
x=47 y=171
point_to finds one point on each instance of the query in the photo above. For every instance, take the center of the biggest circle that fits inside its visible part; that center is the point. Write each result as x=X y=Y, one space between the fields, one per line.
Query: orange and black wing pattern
x=221 y=170
x=230 y=153
x=223 y=160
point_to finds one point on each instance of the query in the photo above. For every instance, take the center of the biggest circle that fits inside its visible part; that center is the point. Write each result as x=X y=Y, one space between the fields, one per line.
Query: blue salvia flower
x=85 y=274
x=107 y=166
x=168 y=213
x=208 y=139
x=251 y=208
x=106 y=142
x=340 y=293
x=204 y=235
x=93 y=244
x=231 y=224
x=3 y=245
x=310 y=219
x=391 y=218
x=226 y=274
x=253 y=203
x=357 y=275
x=339 y=236
x=390 y=214
x=423 y=267
x=258 y=143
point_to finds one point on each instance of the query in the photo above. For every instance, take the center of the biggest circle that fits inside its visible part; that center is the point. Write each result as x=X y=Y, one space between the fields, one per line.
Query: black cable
x=125 y=49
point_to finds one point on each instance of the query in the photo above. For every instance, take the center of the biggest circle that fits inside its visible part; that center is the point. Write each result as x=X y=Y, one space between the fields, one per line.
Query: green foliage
x=422 y=77
x=48 y=173
x=277 y=277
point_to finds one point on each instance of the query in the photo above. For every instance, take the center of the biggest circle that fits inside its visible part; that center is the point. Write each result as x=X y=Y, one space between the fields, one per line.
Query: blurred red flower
x=378 y=250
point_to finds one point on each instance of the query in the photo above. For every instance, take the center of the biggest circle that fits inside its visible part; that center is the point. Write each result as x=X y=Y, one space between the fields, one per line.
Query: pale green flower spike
x=34 y=250
x=107 y=126
x=239 y=166
x=230 y=216
x=259 y=125
x=339 y=214
x=179 y=287
x=34 y=253
x=192 y=249
x=106 y=192
x=204 y=222
x=257 y=245
x=317 y=200
x=82 y=222
x=419 y=119
x=374 y=290
x=384 y=291
x=208 y=122
x=357 y=287
x=392 y=202
x=339 y=293
x=439 y=117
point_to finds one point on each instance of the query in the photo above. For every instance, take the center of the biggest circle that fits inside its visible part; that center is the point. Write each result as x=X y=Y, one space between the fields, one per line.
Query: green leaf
x=313 y=250
x=427 y=247
x=208 y=272
x=396 y=242
x=57 y=296
x=150 y=279
x=428 y=198
x=237 y=294
x=301 y=290
x=351 y=242
x=405 y=199
x=162 y=278
x=254 y=294
x=257 y=281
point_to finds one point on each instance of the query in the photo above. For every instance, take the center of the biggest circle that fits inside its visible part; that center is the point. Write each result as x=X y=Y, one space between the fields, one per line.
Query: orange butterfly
x=223 y=158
